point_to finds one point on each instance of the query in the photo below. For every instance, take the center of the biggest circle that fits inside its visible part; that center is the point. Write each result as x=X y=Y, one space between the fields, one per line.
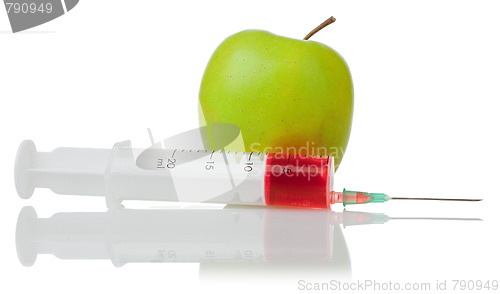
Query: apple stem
x=320 y=27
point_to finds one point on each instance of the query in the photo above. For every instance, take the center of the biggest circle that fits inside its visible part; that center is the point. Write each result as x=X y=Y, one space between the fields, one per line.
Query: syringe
x=188 y=176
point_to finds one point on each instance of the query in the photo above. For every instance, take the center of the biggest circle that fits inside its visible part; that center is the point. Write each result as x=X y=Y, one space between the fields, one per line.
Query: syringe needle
x=439 y=199
x=357 y=197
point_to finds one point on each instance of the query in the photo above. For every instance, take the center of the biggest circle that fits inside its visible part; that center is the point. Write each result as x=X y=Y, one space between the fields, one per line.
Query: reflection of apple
x=285 y=94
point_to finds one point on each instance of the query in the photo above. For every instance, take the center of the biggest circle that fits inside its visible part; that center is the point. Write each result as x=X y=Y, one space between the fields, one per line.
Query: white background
x=426 y=78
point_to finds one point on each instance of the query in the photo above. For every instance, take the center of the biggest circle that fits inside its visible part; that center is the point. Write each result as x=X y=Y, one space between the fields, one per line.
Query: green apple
x=286 y=95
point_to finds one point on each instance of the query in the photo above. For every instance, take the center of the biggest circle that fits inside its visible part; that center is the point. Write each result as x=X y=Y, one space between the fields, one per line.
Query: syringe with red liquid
x=243 y=178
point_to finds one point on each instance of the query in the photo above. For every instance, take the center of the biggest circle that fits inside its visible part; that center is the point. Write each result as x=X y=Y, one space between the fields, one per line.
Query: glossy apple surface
x=284 y=94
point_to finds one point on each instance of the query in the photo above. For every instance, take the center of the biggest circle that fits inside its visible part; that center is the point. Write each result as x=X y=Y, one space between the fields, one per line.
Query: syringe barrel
x=186 y=176
x=240 y=178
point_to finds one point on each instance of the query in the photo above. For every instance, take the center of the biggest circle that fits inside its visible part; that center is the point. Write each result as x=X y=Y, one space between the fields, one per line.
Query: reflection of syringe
x=353 y=218
x=256 y=235
x=233 y=234
x=187 y=175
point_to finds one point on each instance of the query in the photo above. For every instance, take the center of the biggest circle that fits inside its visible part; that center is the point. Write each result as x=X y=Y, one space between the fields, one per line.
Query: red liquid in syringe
x=298 y=180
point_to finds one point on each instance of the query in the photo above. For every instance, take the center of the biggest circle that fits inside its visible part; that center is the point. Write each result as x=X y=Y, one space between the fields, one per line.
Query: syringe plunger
x=72 y=171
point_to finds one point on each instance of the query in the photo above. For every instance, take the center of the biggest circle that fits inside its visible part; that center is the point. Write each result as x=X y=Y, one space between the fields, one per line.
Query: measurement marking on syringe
x=250 y=156
x=212 y=154
x=173 y=153
x=159 y=163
